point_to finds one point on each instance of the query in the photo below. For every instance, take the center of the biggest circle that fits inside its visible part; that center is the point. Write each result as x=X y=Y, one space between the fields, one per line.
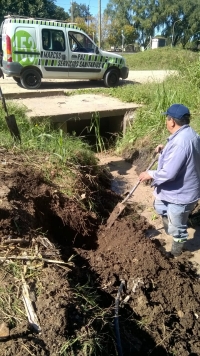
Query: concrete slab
x=62 y=108
x=49 y=101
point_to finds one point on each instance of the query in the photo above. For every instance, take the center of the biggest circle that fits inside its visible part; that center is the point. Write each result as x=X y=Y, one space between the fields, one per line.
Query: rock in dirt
x=4 y=330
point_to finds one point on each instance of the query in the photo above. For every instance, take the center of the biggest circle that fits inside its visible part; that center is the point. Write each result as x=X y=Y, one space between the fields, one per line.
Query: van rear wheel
x=31 y=79
x=17 y=79
x=111 y=78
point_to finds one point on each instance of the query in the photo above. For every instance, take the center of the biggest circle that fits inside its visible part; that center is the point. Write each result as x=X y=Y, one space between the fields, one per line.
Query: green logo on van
x=23 y=44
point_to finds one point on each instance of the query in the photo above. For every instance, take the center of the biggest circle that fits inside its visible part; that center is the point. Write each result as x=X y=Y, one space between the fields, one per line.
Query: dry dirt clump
x=73 y=266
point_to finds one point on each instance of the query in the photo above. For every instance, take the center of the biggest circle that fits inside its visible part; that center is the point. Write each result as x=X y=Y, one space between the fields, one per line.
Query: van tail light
x=8 y=49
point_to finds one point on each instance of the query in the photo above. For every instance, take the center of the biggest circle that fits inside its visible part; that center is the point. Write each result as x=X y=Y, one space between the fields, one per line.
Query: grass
x=60 y=152
x=11 y=306
x=51 y=151
x=148 y=127
x=160 y=58
x=93 y=338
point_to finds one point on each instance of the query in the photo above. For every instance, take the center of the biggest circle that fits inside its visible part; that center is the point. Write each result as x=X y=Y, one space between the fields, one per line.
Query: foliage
x=36 y=8
x=180 y=20
x=177 y=21
x=81 y=10
x=117 y=18
x=146 y=19
x=88 y=27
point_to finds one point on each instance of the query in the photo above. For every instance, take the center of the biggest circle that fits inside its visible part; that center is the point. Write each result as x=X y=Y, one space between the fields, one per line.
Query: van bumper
x=12 y=69
x=124 y=71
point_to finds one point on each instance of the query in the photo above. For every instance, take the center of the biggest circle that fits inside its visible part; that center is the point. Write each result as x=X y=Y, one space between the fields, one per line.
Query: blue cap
x=177 y=111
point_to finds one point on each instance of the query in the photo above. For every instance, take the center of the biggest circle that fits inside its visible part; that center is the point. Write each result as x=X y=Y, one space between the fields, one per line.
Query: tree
x=89 y=28
x=117 y=18
x=181 y=21
x=141 y=14
x=146 y=19
x=148 y=16
x=81 y=11
x=33 y=8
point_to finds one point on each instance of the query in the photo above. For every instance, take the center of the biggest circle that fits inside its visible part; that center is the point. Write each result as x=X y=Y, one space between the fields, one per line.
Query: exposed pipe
x=116 y=320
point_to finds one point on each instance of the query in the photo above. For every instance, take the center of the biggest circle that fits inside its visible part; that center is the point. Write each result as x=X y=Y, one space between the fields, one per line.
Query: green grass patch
x=160 y=58
x=43 y=138
x=54 y=153
x=148 y=127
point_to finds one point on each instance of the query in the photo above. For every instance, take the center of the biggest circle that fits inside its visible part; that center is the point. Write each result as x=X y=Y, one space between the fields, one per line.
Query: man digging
x=177 y=178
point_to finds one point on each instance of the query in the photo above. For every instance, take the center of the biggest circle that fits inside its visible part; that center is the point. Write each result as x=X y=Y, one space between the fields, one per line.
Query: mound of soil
x=76 y=302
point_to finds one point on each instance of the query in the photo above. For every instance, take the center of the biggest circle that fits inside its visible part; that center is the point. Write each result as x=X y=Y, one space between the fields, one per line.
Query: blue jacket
x=177 y=178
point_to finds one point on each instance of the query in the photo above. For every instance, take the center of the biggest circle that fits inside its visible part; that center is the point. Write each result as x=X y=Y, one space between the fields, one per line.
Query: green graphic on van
x=23 y=45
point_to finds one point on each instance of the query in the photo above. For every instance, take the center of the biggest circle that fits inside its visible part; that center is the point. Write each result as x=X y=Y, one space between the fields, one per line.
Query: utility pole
x=88 y=17
x=99 y=23
x=72 y=12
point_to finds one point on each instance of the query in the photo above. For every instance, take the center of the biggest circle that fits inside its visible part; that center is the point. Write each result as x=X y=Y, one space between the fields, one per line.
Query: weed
x=14 y=268
x=144 y=322
x=154 y=217
x=11 y=309
x=95 y=124
x=92 y=339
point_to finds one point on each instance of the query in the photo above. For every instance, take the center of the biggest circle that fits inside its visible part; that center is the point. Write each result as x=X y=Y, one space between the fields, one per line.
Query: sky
x=93 y=5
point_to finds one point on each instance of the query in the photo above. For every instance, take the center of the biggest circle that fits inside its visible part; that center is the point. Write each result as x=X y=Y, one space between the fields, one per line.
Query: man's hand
x=144 y=176
x=159 y=148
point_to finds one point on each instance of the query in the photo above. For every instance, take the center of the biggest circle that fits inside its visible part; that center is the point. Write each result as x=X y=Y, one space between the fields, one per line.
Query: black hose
x=116 y=320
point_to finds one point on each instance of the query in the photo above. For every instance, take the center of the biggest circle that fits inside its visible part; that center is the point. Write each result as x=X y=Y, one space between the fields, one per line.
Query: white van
x=38 y=48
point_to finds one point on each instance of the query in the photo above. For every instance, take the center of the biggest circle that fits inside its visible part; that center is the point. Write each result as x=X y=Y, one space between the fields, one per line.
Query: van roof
x=39 y=21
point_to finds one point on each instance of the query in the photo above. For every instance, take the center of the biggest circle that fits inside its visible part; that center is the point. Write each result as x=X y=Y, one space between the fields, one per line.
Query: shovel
x=10 y=120
x=121 y=206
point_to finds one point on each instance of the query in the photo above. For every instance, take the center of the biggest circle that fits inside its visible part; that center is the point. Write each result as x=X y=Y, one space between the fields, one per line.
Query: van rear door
x=24 y=45
x=54 y=52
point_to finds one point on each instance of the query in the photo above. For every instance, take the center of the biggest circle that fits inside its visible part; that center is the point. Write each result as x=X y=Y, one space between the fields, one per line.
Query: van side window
x=53 y=40
x=78 y=42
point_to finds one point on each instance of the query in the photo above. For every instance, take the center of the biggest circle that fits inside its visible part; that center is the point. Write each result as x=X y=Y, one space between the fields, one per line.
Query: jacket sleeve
x=172 y=163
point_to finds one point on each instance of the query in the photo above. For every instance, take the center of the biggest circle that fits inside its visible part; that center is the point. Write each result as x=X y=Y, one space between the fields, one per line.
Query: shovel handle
x=3 y=102
x=135 y=187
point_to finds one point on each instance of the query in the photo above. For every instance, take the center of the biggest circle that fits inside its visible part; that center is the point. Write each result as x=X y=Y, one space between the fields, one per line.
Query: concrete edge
x=31 y=94
x=81 y=116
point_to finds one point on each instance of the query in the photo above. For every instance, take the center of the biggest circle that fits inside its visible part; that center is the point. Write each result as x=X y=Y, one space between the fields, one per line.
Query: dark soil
x=159 y=307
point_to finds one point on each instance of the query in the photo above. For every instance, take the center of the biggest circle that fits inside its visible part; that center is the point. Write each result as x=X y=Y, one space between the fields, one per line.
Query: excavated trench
x=75 y=303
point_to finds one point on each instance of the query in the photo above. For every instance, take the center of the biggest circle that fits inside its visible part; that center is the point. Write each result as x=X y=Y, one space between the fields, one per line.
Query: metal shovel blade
x=12 y=125
x=10 y=120
x=114 y=215
x=121 y=206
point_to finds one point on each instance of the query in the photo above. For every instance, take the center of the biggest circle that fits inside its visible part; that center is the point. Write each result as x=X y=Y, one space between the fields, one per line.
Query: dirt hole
x=159 y=308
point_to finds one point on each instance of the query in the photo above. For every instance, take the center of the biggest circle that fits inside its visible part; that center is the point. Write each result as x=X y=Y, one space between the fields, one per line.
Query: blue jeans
x=177 y=215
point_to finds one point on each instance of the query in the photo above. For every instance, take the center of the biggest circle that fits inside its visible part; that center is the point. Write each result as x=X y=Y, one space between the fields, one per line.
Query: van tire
x=111 y=78
x=17 y=80
x=31 y=79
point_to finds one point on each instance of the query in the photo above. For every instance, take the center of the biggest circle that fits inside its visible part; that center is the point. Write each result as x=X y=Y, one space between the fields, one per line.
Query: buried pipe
x=116 y=320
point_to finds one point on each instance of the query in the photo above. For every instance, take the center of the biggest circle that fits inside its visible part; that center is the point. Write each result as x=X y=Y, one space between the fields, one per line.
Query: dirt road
x=10 y=86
